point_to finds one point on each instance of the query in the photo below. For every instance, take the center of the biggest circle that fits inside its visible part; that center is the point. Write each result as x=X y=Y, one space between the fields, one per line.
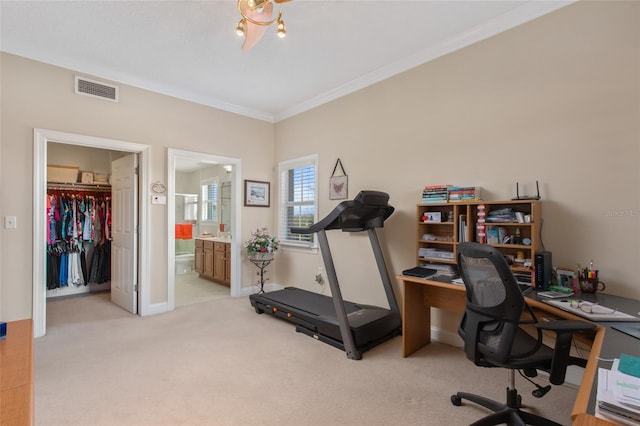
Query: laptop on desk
x=419 y=272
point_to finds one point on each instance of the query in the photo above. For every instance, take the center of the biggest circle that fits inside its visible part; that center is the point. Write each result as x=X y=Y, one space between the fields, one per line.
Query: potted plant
x=261 y=245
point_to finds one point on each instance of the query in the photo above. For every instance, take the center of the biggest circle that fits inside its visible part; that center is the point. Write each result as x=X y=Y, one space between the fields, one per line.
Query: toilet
x=185 y=263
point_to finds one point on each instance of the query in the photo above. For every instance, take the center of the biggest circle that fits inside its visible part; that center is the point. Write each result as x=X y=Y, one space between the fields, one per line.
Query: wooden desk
x=422 y=295
x=16 y=374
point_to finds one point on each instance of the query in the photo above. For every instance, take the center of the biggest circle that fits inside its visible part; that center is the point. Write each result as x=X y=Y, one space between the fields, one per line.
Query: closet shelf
x=101 y=187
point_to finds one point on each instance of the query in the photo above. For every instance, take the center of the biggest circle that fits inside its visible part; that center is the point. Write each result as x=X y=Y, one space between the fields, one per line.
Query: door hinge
x=136 y=170
x=135 y=287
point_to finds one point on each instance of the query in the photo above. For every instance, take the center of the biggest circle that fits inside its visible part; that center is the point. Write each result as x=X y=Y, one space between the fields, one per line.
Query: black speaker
x=542 y=270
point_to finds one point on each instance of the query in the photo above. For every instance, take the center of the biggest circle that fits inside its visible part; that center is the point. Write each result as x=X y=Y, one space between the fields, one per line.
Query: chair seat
x=523 y=343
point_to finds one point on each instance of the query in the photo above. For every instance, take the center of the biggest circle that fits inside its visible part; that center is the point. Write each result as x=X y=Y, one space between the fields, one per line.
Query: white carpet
x=219 y=363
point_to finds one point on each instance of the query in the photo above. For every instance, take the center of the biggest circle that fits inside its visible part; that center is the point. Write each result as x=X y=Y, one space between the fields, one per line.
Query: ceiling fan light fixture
x=258 y=14
x=282 y=29
x=241 y=28
x=256 y=4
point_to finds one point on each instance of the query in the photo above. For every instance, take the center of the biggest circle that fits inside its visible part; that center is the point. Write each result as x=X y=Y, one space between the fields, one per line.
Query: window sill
x=298 y=248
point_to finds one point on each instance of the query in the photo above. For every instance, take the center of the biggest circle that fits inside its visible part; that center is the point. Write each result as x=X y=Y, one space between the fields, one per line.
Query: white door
x=124 y=246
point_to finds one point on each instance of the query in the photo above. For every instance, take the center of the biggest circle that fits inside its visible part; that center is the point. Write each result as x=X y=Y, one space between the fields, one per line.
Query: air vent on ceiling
x=84 y=86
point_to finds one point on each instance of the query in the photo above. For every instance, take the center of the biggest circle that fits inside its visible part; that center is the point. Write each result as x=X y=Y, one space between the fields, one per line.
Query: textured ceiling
x=189 y=49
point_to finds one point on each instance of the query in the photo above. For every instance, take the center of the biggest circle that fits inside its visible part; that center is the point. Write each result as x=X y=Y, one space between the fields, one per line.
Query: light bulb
x=282 y=30
x=240 y=29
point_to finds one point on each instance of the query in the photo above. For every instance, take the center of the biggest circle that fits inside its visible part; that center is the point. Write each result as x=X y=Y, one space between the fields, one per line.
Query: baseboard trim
x=446 y=337
x=247 y=291
x=156 y=308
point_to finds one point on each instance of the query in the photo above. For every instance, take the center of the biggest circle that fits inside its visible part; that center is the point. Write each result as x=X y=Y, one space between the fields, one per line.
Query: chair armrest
x=566 y=326
x=564 y=330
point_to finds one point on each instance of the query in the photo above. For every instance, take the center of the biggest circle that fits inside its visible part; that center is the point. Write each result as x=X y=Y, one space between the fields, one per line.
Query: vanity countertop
x=210 y=237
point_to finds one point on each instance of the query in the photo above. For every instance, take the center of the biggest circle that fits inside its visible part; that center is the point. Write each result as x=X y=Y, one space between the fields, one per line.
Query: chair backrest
x=494 y=304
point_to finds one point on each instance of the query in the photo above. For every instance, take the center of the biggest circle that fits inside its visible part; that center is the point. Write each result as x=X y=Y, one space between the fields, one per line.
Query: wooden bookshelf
x=440 y=239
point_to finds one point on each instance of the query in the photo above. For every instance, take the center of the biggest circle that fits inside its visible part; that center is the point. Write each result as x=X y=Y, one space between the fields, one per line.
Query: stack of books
x=434 y=253
x=464 y=193
x=435 y=194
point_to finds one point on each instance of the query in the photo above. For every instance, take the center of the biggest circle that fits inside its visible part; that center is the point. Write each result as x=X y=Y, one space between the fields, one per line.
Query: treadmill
x=352 y=327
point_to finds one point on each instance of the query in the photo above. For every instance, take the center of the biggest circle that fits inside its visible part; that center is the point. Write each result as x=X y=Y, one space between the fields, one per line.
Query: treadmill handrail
x=369 y=209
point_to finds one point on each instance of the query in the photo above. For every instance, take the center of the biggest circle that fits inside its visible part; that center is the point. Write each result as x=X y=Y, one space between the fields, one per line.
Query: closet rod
x=79 y=187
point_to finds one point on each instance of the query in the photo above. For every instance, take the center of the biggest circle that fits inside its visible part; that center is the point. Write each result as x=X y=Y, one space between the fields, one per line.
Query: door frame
x=41 y=137
x=236 y=214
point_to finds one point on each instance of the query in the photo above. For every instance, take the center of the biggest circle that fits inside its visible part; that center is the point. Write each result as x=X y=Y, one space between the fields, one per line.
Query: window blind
x=298 y=203
x=210 y=202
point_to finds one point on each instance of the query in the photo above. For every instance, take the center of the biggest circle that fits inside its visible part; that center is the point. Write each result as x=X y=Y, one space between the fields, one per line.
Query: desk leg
x=416 y=321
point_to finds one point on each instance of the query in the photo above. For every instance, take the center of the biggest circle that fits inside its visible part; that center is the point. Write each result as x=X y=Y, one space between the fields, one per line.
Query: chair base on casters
x=508 y=413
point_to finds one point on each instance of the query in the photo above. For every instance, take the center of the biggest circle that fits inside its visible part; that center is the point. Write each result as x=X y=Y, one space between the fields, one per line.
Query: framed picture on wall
x=256 y=193
x=338 y=187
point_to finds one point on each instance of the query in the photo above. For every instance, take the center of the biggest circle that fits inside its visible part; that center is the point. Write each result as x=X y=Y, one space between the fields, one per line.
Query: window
x=209 y=201
x=298 y=203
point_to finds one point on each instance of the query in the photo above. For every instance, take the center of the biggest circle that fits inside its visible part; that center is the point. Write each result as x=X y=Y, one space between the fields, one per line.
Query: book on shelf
x=462 y=228
x=434 y=253
x=464 y=193
x=435 y=193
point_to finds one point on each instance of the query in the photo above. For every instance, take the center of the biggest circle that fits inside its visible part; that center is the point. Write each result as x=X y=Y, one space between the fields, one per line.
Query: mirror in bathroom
x=225 y=205
x=186 y=207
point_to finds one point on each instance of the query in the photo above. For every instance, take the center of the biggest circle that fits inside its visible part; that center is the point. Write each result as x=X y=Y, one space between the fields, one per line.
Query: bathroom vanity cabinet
x=213 y=260
x=198 y=264
x=221 y=263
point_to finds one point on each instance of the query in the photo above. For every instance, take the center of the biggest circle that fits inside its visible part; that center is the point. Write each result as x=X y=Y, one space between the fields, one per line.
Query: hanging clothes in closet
x=77 y=221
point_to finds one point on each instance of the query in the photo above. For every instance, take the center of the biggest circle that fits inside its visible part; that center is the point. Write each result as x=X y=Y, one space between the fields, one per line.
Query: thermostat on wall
x=158 y=199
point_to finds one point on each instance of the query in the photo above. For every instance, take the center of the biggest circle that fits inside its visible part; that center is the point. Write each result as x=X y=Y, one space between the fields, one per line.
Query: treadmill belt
x=311 y=303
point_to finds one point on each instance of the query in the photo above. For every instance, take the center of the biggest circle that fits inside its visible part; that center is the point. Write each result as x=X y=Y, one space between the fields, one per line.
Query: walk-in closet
x=79 y=219
x=78 y=236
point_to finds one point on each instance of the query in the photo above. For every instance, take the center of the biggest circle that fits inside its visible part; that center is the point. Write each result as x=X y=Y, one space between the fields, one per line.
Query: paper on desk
x=626 y=390
x=601 y=313
x=609 y=405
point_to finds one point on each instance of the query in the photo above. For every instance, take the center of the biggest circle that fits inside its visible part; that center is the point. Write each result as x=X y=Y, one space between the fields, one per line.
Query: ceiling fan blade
x=254 y=32
x=253 y=35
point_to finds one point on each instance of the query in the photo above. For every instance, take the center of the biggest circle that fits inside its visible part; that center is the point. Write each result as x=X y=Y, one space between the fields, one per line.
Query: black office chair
x=493 y=336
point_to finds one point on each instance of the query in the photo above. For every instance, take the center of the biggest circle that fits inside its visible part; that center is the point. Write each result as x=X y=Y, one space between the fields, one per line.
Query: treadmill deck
x=314 y=314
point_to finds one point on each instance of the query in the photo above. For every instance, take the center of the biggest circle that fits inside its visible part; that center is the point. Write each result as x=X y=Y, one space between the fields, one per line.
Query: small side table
x=261 y=260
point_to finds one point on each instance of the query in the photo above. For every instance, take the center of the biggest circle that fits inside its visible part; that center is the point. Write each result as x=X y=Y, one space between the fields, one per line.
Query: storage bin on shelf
x=65 y=174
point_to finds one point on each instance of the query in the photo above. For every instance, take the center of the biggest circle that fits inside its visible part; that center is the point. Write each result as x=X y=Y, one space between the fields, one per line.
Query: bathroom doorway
x=203 y=197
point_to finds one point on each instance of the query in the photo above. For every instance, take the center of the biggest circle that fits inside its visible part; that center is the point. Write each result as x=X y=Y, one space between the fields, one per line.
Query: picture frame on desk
x=564 y=277
x=493 y=235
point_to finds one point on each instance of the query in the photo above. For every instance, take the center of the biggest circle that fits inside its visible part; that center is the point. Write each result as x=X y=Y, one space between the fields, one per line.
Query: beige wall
x=35 y=95
x=556 y=100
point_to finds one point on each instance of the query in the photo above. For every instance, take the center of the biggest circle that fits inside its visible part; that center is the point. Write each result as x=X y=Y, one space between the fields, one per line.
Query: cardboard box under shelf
x=66 y=174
